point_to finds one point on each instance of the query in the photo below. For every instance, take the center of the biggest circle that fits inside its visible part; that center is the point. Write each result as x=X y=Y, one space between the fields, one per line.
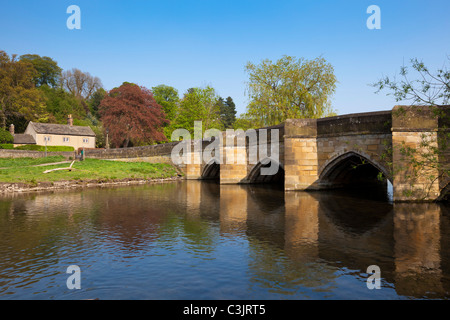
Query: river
x=202 y=240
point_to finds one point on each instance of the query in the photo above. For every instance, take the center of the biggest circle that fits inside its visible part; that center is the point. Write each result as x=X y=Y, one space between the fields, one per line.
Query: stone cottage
x=56 y=135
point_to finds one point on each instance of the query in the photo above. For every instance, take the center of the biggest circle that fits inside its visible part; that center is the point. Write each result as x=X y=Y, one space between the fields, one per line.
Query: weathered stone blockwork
x=415 y=132
x=314 y=147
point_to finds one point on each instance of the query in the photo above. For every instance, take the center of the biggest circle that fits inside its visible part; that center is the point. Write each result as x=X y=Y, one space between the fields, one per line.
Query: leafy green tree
x=95 y=100
x=289 y=88
x=425 y=88
x=167 y=97
x=244 y=122
x=48 y=71
x=5 y=136
x=60 y=103
x=199 y=104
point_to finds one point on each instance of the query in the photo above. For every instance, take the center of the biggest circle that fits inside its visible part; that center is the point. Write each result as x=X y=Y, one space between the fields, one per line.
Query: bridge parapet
x=339 y=151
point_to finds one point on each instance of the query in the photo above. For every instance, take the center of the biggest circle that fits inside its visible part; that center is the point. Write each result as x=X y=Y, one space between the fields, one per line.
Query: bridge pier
x=414 y=136
x=233 y=170
x=195 y=160
x=301 y=156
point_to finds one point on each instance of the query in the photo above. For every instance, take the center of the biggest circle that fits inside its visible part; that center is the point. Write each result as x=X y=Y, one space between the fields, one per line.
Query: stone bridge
x=350 y=150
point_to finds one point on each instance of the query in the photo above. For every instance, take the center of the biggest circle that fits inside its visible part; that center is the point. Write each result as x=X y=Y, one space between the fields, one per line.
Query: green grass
x=18 y=170
x=23 y=162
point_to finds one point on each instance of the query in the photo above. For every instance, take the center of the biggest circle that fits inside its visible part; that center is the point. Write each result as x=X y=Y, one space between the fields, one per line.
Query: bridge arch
x=211 y=170
x=255 y=175
x=444 y=193
x=351 y=168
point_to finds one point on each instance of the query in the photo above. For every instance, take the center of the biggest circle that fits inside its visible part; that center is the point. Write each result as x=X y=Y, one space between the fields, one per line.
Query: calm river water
x=199 y=240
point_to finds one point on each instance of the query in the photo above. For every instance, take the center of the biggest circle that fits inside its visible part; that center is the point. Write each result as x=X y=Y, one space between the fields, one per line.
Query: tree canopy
x=130 y=113
x=289 y=88
x=199 y=104
x=19 y=96
x=424 y=87
x=47 y=70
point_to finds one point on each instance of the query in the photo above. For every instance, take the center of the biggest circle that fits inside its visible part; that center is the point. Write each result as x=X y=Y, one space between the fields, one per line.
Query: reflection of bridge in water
x=287 y=233
x=409 y=242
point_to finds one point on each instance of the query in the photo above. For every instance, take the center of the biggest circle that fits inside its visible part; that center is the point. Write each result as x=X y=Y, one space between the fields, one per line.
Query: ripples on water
x=199 y=240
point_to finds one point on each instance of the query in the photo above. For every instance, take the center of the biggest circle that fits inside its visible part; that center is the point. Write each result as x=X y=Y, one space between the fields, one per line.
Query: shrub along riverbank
x=25 y=173
x=33 y=147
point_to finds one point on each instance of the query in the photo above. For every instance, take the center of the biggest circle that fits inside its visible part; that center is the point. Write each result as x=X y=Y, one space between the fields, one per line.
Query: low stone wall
x=159 y=150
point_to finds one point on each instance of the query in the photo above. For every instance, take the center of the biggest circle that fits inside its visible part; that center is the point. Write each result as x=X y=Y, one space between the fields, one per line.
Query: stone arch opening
x=211 y=171
x=352 y=170
x=445 y=193
x=256 y=176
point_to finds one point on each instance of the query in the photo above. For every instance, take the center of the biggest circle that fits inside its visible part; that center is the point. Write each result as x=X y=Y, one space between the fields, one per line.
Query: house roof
x=62 y=129
x=24 y=139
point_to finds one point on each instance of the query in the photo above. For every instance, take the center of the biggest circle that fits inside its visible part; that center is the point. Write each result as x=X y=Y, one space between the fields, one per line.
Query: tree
x=5 y=136
x=95 y=100
x=81 y=84
x=130 y=112
x=289 y=88
x=426 y=90
x=167 y=97
x=60 y=103
x=199 y=104
x=19 y=96
x=227 y=112
x=48 y=71
x=432 y=89
x=244 y=122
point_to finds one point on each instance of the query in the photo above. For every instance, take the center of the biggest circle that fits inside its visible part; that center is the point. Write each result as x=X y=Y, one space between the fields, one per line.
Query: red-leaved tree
x=130 y=113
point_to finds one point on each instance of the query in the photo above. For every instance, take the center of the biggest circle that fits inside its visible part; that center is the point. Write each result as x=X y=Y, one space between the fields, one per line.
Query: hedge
x=33 y=147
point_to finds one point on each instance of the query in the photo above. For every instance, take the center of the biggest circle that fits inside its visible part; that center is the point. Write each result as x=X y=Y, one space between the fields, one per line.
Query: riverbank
x=29 y=175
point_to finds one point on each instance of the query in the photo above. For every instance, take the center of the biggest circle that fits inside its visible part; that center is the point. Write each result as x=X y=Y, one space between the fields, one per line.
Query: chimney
x=11 y=129
x=70 y=120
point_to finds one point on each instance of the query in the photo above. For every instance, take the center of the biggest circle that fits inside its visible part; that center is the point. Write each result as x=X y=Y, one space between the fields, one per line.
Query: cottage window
x=65 y=139
x=47 y=138
x=86 y=140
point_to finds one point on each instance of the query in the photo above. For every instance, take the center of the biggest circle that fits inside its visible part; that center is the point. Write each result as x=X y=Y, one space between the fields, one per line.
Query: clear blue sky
x=191 y=43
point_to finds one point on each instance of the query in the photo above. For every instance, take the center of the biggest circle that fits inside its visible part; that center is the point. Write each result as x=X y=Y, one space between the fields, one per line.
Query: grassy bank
x=24 y=170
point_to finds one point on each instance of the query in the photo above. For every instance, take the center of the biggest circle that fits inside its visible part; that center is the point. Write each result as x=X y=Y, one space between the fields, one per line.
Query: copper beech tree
x=130 y=113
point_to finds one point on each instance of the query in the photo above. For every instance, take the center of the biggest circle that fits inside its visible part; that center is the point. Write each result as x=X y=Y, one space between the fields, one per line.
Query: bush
x=5 y=136
x=6 y=146
x=33 y=147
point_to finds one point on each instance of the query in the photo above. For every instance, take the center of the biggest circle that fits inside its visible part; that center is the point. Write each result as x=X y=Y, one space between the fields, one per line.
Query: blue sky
x=208 y=42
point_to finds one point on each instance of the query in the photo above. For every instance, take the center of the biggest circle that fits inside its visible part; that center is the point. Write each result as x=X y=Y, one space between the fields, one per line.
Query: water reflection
x=200 y=240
